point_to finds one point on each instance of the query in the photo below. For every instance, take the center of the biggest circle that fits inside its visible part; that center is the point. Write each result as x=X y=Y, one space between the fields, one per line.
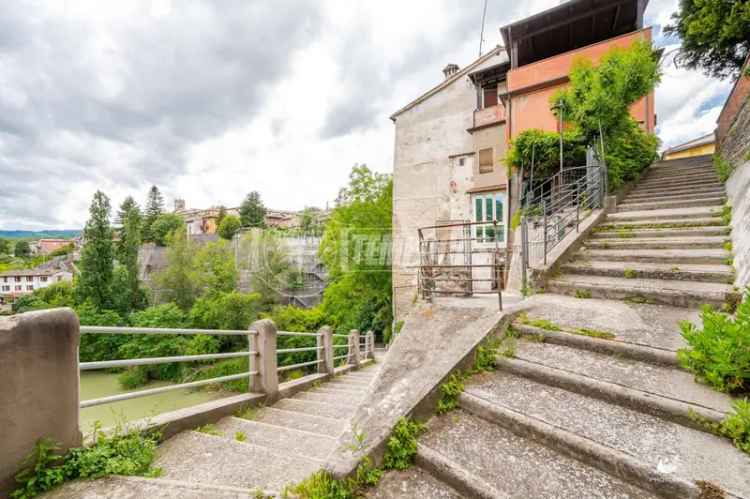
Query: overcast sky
x=212 y=99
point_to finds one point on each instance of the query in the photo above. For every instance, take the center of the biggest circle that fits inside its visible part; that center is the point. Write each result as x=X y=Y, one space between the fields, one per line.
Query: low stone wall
x=39 y=386
x=738 y=193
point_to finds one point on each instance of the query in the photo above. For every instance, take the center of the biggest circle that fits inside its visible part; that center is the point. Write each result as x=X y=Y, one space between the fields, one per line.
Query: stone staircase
x=255 y=454
x=665 y=244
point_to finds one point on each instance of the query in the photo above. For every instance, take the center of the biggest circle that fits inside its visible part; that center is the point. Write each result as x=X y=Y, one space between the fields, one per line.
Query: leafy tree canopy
x=252 y=211
x=4 y=246
x=543 y=150
x=715 y=35
x=164 y=225
x=229 y=226
x=154 y=208
x=364 y=185
x=22 y=249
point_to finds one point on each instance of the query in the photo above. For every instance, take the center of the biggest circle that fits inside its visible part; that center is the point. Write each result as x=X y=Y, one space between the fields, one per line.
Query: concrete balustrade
x=39 y=388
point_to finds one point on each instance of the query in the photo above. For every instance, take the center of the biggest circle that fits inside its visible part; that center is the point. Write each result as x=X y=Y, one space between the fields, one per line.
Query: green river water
x=95 y=384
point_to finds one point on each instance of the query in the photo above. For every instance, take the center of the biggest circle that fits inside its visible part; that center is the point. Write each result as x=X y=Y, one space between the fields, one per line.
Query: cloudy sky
x=212 y=99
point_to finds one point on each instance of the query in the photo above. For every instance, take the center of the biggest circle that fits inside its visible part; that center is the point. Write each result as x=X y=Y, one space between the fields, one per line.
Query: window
x=5 y=279
x=19 y=288
x=18 y=279
x=6 y=288
x=489 y=95
x=43 y=278
x=29 y=278
x=485 y=160
x=30 y=288
x=489 y=207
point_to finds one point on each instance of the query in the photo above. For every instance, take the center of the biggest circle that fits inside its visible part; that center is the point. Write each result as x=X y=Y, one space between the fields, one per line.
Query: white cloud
x=210 y=100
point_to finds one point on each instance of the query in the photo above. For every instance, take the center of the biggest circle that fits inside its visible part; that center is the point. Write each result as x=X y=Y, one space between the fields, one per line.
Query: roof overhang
x=571 y=25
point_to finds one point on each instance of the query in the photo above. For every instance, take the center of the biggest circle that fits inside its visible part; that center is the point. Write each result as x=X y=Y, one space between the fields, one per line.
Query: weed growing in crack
x=583 y=293
x=209 y=429
x=630 y=274
x=450 y=391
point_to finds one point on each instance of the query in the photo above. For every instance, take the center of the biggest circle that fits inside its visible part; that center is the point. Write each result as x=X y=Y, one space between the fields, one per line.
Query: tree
x=97 y=257
x=154 y=208
x=356 y=249
x=4 y=246
x=132 y=295
x=229 y=227
x=164 y=225
x=220 y=216
x=310 y=221
x=264 y=255
x=252 y=211
x=598 y=100
x=127 y=205
x=715 y=35
x=214 y=269
x=542 y=148
x=176 y=282
x=22 y=249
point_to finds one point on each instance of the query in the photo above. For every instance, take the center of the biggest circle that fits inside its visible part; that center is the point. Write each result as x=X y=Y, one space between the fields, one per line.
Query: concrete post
x=254 y=384
x=353 y=357
x=267 y=360
x=371 y=344
x=39 y=388
x=326 y=355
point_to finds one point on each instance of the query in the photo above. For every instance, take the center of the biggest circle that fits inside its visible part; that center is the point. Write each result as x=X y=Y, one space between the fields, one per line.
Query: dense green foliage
x=5 y=246
x=252 y=211
x=163 y=227
x=97 y=257
x=718 y=353
x=715 y=35
x=120 y=454
x=154 y=208
x=228 y=226
x=176 y=281
x=736 y=425
x=402 y=445
x=723 y=167
x=130 y=291
x=22 y=248
x=597 y=102
x=543 y=150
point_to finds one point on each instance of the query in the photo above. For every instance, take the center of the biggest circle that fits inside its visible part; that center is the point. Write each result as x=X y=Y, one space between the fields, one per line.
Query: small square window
x=485 y=160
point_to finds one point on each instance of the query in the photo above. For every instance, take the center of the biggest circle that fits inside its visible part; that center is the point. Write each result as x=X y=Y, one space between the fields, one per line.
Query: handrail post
x=253 y=383
x=325 y=340
x=371 y=344
x=353 y=356
x=544 y=205
x=578 y=206
x=267 y=362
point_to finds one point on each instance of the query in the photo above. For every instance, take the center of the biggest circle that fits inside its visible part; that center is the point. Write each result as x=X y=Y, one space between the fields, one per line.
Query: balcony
x=488 y=116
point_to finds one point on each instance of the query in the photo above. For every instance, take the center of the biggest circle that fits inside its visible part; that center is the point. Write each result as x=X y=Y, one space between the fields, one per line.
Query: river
x=95 y=384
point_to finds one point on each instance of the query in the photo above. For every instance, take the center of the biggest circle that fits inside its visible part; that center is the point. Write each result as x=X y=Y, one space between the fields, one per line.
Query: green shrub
x=736 y=425
x=133 y=377
x=322 y=485
x=723 y=167
x=545 y=148
x=486 y=357
x=449 y=393
x=718 y=353
x=402 y=445
x=120 y=454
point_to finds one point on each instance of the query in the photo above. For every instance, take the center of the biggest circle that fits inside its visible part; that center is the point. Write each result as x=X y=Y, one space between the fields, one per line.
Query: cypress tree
x=97 y=256
x=154 y=208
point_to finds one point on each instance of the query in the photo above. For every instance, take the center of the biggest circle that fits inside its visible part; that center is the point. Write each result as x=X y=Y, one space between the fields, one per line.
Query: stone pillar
x=326 y=355
x=353 y=357
x=371 y=344
x=267 y=360
x=39 y=387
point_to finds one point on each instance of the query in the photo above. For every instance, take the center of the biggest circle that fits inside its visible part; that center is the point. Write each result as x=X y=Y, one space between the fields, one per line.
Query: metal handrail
x=160 y=330
x=301 y=364
x=109 y=364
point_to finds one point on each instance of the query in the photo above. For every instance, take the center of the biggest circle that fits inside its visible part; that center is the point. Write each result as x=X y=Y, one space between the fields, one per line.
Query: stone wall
x=39 y=388
x=738 y=192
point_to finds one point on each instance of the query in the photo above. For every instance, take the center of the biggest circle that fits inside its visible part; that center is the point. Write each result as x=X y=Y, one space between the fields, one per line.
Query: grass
x=728 y=246
x=540 y=323
x=250 y=412
x=583 y=293
x=209 y=429
x=625 y=233
x=638 y=300
x=723 y=168
x=630 y=274
x=594 y=333
x=240 y=436
x=726 y=214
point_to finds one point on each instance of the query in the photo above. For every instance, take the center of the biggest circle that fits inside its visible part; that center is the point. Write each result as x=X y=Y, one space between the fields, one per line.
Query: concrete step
x=279 y=438
x=658 y=455
x=678 y=172
x=683 y=242
x=665 y=292
x=666 y=186
x=663 y=223
x=330 y=398
x=133 y=487
x=670 y=196
x=655 y=380
x=628 y=233
x=671 y=257
x=644 y=270
x=678 y=190
x=412 y=483
x=666 y=204
x=510 y=465
x=683 y=179
x=298 y=420
x=210 y=460
x=665 y=214
x=323 y=409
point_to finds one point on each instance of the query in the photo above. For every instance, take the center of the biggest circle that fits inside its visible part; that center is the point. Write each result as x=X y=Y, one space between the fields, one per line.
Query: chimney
x=179 y=204
x=450 y=70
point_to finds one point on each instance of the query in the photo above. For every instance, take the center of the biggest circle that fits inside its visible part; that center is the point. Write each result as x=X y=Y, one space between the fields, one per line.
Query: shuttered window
x=485 y=160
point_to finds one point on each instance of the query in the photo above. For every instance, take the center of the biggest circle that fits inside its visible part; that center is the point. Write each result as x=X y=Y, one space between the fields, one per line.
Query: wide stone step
x=671 y=196
x=323 y=409
x=665 y=292
x=691 y=178
x=628 y=232
x=132 y=487
x=330 y=398
x=672 y=257
x=685 y=242
x=514 y=466
x=663 y=223
x=677 y=172
x=299 y=420
x=644 y=270
x=412 y=483
x=678 y=190
x=663 y=381
x=278 y=438
x=665 y=214
x=666 y=204
x=630 y=440
x=675 y=185
x=206 y=459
